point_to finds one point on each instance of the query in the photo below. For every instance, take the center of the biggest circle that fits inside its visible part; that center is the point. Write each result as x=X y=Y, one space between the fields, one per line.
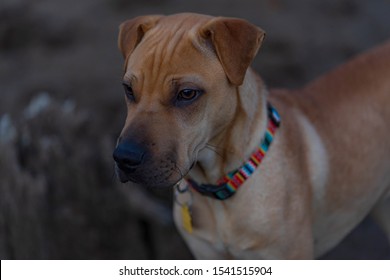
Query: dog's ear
x=236 y=43
x=132 y=31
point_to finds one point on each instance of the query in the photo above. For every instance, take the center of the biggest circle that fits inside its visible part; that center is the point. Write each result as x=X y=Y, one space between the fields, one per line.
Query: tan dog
x=196 y=109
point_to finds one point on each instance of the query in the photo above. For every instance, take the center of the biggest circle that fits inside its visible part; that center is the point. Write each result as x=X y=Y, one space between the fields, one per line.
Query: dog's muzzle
x=138 y=163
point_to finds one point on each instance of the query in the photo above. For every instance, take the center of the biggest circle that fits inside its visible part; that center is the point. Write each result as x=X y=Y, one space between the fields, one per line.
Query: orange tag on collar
x=186 y=218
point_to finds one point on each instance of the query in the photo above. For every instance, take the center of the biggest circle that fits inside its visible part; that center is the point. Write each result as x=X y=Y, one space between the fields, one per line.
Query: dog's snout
x=129 y=155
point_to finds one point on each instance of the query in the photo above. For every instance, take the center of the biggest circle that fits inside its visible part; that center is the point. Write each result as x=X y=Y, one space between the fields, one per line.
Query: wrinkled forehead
x=173 y=45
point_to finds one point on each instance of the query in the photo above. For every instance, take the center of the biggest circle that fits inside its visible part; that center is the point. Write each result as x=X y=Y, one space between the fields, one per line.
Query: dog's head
x=181 y=77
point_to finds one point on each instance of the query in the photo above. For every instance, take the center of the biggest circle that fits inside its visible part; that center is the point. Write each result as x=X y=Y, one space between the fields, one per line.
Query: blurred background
x=61 y=109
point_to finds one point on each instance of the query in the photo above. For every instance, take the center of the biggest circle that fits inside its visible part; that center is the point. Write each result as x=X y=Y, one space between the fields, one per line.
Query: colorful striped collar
x=228 y=185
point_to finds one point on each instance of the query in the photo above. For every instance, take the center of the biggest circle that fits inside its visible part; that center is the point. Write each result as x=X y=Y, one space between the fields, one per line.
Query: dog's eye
x=188 y=94
x=129 y=91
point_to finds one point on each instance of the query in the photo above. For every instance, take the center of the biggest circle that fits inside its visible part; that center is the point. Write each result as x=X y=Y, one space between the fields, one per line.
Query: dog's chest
x=216 y=233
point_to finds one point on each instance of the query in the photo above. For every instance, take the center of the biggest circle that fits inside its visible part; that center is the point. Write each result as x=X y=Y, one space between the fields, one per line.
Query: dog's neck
x=235 y=143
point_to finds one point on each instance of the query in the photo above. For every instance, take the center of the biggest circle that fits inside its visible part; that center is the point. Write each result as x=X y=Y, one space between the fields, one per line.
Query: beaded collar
x=229 y=184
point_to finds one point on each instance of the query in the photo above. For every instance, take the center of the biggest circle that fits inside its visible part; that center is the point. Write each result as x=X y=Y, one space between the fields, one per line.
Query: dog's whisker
x=215 y=151
x=219 y=148
x=179 y=169
x=219 y=151
x=113 y=175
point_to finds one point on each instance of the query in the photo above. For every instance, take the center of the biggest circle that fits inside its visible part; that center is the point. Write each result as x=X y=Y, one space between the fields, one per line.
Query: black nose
x=129 y=155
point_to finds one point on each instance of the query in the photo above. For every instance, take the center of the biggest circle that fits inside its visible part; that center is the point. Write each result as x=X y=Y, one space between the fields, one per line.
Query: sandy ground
x=67 y=50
